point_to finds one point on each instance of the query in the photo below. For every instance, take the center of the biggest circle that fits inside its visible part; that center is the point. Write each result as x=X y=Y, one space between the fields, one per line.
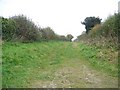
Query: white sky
x=63 y=16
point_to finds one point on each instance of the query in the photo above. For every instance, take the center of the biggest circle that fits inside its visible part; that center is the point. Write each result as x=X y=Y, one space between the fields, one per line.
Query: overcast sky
x=63 y=16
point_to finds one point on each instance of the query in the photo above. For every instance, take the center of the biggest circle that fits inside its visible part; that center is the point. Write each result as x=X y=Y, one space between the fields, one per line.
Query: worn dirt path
x=76 y=73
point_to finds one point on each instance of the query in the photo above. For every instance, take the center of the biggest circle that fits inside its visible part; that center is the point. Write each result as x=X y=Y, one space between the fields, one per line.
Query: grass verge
x=99 y=59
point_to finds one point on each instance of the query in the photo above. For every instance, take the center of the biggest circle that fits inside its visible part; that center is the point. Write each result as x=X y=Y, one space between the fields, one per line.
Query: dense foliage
x=90 y=22
x=21 y=28
x=104 y=34
x=48 y=33
x=8 y=28
x=26 y=30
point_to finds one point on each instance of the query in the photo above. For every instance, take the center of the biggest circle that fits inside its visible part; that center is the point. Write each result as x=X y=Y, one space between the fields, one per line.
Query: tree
x=69 y=36
x=62 y=38
x=90 y=22
x=47 y=33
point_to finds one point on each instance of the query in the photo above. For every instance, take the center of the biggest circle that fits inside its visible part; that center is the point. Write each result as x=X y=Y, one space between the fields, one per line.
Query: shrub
x=108 y=28
x=111 y=25
x=105 y=34
x=21 y=28
x=47 y=33
x=26 y=29
x=96 y=30
x=8 y=28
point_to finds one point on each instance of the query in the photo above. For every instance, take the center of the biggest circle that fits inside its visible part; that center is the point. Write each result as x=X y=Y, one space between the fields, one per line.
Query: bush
x=105 y=34
x=111 y=25
x=47 y=33
x=96 y=31
x=8 y=28
x=21 y=28
x=26 y=29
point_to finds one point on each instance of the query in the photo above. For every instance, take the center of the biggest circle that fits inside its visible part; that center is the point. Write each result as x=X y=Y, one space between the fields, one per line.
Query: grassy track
x=55 y=64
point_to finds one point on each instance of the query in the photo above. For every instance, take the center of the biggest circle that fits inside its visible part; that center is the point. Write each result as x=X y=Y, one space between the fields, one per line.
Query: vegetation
x=109 y=28
x=70 y=37
x=21 y=28
x=104 y=38
x=90 y=22
x=102 y=59
x=48 y=34
x=8 y=28
x=26 y=30
x=103 y=35
x=24 y=64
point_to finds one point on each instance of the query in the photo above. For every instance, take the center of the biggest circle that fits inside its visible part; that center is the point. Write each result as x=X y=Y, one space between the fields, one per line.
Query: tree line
x=21 y=28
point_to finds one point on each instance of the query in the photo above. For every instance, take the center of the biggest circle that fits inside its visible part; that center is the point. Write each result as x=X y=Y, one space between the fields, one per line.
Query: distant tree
x=62 y=38
x=69 y=36
x=90 y=22
x=48 y=33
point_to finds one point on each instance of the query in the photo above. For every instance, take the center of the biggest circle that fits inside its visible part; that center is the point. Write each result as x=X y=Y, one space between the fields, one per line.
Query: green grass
x=99 y=61
x=24 y=63
x=21 y=62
